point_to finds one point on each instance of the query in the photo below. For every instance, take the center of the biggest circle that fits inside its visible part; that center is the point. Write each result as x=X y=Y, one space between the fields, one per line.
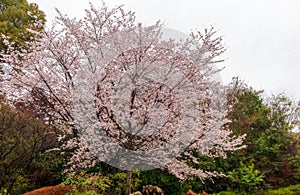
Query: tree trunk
x=128 y=183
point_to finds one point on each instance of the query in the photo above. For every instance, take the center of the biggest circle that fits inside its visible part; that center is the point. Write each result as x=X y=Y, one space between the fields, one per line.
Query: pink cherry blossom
x=125 y=92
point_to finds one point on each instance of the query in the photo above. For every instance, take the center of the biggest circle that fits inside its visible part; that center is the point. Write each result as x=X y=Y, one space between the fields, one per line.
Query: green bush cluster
x=227 y=193
x=245 y=178
x=24 y=162
x=88 y=184
x=291 y=190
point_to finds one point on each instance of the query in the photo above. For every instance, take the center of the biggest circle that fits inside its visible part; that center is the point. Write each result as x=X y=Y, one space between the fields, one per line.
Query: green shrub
x=76 y=192
x=291 y=190
x=24 y=163
x=245 y=178
x=119 y=182
x=3 y=191
x=88 y=184
x=169 y=183
x=226 y=193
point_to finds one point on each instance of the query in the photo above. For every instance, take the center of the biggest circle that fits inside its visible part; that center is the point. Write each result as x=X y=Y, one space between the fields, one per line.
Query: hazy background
x=262 y=37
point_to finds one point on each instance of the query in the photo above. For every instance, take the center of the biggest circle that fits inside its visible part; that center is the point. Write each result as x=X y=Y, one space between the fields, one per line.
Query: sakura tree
x=134 y=100
x=298 y=115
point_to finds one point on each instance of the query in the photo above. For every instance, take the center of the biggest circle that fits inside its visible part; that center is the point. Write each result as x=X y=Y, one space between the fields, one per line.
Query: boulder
x=137 y=193
x=152 y=190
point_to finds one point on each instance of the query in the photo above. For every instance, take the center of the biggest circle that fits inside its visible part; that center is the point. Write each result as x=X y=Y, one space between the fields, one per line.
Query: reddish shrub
x=190 y=192
x=51 y=190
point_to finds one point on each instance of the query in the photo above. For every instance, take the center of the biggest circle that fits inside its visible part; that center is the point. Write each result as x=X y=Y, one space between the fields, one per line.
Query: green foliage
x=277 y=146
x=271 y=145
x=16 y=16
x=227 y=193
x=245 y=178
x=169 y=183
x=291 y=190
x=119 y=182
x=88 y=184
x=24 y=165
x=47 y=169
x=3 y=191
x=83 y=193
x=249 y=115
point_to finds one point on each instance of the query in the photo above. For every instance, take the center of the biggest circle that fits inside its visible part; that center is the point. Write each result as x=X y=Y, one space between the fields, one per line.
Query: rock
x=137 y=193
x=152 y=190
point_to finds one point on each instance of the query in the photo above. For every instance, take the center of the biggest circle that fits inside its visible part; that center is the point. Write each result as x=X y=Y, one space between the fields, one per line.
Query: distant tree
x=16 y=17
x=24 y=164
x=271 y=144
x=124 y=86
x=278 y=145
x=248 y=114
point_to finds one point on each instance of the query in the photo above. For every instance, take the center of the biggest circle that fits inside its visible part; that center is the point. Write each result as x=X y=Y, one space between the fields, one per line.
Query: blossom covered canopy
x=133 y=99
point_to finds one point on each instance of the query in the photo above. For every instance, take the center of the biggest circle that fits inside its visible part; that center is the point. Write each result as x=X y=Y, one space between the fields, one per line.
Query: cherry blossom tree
x=132 y=98
x=298 y=115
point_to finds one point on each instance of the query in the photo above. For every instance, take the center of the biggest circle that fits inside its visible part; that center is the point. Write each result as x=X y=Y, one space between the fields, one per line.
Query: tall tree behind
x=16 y=17
x=271 y=144
x=24 y=140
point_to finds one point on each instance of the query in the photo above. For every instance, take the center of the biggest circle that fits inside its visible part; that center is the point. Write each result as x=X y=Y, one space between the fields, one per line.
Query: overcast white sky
x=262 y=37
